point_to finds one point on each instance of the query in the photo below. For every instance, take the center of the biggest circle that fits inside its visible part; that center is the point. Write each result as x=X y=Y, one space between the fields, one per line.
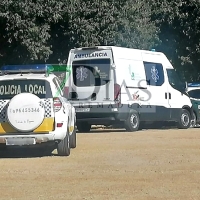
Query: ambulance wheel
x=193 y=120
x=63 y=147
x=184 y=120
x=133 y=122
x=72 y=138
x=83 y=127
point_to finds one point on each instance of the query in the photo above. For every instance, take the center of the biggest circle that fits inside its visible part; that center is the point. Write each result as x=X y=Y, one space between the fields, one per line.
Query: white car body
x=54 y=125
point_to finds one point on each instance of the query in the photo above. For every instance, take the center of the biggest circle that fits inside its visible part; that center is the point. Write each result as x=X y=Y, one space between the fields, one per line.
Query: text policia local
x=17 y=89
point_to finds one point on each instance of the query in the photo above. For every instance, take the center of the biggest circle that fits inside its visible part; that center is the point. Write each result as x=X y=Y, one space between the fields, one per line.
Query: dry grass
x=153 y=164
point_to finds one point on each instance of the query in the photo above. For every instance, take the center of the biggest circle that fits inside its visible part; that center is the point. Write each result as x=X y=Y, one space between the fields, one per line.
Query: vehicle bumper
x=101 y=115
x=21 y=139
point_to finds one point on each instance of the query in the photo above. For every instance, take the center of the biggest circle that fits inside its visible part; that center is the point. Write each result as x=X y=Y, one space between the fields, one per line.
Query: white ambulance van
x=114 y=85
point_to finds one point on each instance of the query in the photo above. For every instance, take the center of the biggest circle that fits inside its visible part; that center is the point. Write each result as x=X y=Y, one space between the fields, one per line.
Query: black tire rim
x=134 y=120
x=185 y=119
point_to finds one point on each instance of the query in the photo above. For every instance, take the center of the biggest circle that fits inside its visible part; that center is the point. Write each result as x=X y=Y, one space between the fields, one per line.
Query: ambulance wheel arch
x=188 y=109
x=125 y=110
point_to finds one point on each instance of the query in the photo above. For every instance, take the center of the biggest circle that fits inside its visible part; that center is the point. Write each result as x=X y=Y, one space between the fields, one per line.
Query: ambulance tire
x=184 y=120
x=132 y=123
x=63 y=147
x=83 y=127
x=141 y=126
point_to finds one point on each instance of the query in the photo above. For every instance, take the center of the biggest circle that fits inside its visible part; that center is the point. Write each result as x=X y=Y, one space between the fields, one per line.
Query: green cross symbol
x=132 y=76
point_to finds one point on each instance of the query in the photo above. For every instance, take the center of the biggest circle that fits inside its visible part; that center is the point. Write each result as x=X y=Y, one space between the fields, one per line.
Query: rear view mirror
x=186 y=86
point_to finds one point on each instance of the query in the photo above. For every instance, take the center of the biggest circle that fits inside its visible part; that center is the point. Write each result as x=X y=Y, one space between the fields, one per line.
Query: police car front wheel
x=193 y=120
x=184 y=119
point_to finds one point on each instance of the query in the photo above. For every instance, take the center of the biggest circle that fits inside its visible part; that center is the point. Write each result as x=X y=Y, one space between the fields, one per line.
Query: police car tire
x=63 y=147
x=131 y=125
x=72 y=138
x=25 y=112
x=193 y=120
x=181 y=124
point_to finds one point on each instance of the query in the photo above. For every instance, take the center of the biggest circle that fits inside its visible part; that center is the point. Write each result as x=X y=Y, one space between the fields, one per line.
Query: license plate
x=82 y=109
x=20 y=141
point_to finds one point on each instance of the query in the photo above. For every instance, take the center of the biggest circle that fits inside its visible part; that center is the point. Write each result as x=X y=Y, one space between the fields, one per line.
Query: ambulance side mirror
x=186 y=85
x=113 y=66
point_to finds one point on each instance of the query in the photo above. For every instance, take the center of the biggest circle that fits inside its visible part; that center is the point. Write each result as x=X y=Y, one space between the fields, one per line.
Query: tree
x=179 y=25
x=124 y=23
x=45 y=30
x=26 y=26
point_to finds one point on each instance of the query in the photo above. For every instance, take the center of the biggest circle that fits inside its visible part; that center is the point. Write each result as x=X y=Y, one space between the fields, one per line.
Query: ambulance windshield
x=91 y=72
x=175 y=81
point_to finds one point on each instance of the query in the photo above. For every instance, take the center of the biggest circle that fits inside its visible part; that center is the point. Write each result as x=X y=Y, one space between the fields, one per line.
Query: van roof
x=114 y=47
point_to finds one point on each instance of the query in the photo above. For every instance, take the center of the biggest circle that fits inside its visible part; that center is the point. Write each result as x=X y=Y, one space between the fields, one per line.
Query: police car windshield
x=8 y=88
x=91 y=72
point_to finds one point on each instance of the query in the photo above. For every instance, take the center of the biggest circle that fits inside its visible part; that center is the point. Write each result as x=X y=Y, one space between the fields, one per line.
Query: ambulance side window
x=154 y=73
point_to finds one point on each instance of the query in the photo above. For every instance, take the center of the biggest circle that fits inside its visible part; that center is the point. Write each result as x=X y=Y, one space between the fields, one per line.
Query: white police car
x=33 y=109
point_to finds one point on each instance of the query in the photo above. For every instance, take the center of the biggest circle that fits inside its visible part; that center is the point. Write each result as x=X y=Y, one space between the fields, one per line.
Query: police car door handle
x=169 y=95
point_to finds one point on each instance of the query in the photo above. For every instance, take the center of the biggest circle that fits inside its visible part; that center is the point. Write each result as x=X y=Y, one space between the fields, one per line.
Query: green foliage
x=179 y=24
x=107 y=22
x=26 y=27
x=45 y=30
x=135 y=28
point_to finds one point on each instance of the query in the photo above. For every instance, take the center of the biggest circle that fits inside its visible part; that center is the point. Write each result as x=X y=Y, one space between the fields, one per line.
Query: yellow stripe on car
x=46 y=126
x=71 y=129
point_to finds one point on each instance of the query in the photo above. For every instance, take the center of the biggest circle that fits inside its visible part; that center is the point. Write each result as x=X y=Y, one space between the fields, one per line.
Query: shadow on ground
x=156 y=126
x=24 y=152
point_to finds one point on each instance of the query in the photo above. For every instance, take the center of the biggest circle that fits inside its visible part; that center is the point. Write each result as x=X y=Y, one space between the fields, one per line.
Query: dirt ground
x=149 y=164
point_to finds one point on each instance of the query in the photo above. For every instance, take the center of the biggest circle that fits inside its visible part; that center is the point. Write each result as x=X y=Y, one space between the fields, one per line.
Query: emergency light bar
x=193 y=84
x=41 y=68
x=94 y=48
